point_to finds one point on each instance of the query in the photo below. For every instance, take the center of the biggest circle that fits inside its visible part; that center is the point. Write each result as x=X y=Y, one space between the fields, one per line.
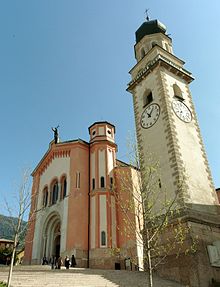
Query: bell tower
x=167 y=128
x=166 y=121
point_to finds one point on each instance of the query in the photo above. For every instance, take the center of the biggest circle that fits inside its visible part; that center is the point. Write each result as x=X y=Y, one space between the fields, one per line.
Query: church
x=74 y=206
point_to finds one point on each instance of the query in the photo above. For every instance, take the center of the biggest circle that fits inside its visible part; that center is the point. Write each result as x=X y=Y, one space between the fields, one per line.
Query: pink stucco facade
x=74 y=206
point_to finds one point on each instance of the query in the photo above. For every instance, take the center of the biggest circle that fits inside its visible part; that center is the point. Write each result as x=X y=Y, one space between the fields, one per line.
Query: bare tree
x=19 y=213
x=151 y=216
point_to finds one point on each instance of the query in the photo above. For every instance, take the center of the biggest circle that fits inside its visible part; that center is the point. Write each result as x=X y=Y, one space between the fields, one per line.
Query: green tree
x=5 y=254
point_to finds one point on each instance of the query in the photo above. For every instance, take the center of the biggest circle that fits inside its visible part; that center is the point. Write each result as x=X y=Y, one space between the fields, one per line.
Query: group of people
x=57 y=262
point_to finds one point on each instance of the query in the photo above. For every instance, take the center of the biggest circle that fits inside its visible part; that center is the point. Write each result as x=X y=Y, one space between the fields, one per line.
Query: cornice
x=151 y=65
x=59 y=150
x=103 y=142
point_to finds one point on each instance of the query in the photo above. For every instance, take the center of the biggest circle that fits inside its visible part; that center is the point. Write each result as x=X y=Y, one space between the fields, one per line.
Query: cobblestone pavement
x=30 y=276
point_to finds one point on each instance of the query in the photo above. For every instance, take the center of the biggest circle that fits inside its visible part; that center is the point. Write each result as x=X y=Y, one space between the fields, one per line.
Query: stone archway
x=56 y=243
x=51 y=236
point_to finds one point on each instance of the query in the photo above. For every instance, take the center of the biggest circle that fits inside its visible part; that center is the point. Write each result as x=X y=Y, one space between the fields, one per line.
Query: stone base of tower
x=194 y=268
x=102 y=258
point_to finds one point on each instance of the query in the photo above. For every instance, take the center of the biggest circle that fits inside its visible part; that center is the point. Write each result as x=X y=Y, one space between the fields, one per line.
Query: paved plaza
x=30 y=276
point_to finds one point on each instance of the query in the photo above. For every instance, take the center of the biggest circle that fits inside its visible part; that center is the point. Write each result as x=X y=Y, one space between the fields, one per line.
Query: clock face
x=182 y=111
x=150 y=115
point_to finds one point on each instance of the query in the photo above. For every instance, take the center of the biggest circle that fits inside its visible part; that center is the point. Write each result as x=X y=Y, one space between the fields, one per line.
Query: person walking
x=73 y=261
x=67 y=262
x=59 y=262
x=52 y=262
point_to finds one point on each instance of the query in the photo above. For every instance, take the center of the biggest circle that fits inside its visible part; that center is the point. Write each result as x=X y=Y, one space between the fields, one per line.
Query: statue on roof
x=147 y=15
x=56 y=134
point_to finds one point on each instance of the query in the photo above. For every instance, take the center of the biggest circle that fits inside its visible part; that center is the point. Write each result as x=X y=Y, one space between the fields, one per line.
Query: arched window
x=54 y=191
x=153 y=44
x=93 y=183
x=111 y=183
x=177 y=92
x=102 y=182
x=167 y=47
x=77 y=179
x=142 y=53
x=45 y=196
x=63 y=187
x=147 y=98
x=159 y=182
x=103 y=238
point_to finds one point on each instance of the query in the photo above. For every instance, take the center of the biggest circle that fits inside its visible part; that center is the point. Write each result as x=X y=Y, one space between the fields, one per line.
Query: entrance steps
x=40 y=276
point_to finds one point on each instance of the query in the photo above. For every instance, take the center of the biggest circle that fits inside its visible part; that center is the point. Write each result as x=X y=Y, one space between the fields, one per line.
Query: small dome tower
x=103 y=231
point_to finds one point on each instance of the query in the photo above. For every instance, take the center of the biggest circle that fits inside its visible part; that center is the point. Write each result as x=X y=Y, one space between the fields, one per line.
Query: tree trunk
x=12 y=262
x=150 y=270
x=14 y=251
x=150 y=275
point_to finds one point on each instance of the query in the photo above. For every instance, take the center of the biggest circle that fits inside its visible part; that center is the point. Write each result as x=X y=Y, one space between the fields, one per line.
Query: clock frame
x=150 y=116
x=182 y=111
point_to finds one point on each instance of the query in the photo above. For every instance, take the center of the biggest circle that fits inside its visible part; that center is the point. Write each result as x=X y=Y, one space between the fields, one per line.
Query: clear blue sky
x=66 y=62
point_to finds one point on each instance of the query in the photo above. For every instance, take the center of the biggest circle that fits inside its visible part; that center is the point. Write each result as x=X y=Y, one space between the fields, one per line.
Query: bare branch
x=148 y=211
x=23 y=202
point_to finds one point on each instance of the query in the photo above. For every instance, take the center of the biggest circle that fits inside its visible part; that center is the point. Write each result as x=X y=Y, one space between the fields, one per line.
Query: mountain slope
x=7 y=225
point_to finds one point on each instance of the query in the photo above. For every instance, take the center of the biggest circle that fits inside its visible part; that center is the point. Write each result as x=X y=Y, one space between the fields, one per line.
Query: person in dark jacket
x=59 y=262
x=52 y=261
x=67 y=262
x=73 y=261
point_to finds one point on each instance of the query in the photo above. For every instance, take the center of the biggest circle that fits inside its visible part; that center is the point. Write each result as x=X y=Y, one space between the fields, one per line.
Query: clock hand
x=151 y=111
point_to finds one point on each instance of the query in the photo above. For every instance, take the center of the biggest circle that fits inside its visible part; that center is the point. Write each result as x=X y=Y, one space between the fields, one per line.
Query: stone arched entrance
x=51 y=236
x=56 y=246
